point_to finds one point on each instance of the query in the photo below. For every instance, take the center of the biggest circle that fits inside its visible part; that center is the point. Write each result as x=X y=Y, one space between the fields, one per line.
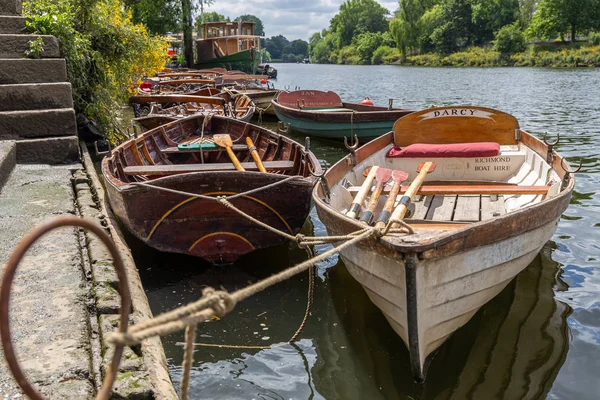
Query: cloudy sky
x=294 y=19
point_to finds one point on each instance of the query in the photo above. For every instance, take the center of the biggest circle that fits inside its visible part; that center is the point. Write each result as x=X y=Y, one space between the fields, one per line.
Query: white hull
x=449 y=290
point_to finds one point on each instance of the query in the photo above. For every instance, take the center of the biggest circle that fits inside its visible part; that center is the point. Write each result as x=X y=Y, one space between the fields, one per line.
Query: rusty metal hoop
x=352 y=148
x=550 y=152
x=7 y=281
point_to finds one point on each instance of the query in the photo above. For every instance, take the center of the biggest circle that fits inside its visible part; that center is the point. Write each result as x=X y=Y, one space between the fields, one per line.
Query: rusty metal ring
x=568 y=168
x=7 y=280
x=555 y=142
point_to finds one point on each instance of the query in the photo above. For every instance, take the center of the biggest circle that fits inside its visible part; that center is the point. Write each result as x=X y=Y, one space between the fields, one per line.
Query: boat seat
x=468 y=189
x=174 y=149
x=174 y=169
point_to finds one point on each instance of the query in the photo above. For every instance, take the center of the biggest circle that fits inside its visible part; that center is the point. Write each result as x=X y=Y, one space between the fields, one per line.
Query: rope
x=188 y=358
x=218 y=303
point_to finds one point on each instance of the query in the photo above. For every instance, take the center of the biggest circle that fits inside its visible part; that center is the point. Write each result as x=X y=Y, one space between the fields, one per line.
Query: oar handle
x=362 y=193
x=367 y=215
x=385 y=214
x=255 y=155
x=414 y=187
x=234 y=159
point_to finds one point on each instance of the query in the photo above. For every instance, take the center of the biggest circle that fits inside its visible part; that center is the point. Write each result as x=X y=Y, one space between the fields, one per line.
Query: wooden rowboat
x=477 y=220
x=323 y=114
x=170 y=157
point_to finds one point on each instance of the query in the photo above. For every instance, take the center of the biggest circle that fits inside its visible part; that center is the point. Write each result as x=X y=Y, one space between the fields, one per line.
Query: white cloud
x=294 y=19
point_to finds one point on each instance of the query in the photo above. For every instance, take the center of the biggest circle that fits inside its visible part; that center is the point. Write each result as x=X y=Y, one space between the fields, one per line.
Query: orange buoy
x=263 y=81
x=367 y=101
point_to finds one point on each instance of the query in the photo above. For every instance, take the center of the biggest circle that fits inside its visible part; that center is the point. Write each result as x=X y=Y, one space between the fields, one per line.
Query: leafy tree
x=406 y=27
x=259 y=29
x=510 y=40
x=275 y=45
x=298 y=47
x=212 y=16
x=526 y=10
x=202 y=4
x=356 y=17
x=159 y=16
x=456 y=30
x=557 y=17
x=188 y=42
x=367 y=43
x=488 y=16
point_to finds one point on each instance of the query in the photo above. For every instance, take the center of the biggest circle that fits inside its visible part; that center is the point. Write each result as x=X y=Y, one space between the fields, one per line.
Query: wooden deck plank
x=235 y=147
x=467 y=208
x=491 y=209
x=442 y=208
x=418 y=209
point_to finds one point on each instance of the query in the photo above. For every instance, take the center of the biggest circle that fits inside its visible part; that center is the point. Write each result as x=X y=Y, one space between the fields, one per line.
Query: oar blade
x=383 y=175
x=399 y=175
x=223 y=140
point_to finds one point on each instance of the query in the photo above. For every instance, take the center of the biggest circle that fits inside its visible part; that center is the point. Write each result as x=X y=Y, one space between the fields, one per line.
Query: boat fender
x=367 y=101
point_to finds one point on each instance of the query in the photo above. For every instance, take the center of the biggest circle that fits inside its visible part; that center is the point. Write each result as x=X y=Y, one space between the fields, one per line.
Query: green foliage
x=275 y=45
x=282 y=49
x=212 y=16
x=159 y=16
x=259 y=29
x=510 y=40
x=488 y=16
x=104 y=50
x=356 y=17
x=385 y=55
x=594 y=38
x=558 y=17
x=36 y=48
x=568 y=57
x=348 y=55
x=367 y=43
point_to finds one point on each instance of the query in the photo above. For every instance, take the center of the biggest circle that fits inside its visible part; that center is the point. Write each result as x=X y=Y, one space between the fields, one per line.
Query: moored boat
x=483 y=213
x=182 y=156
x=323 y=114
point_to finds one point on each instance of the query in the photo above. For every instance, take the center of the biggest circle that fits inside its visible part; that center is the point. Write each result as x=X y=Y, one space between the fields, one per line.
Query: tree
x=526 y=10
x=159 y=16
x=510 y=40
x=488 y=16
x=275 y=45
x=212 y=16
x=406 y=27
x=456 y=30
x=557 y=17
x=259 y=29
x=356 y=17
x=188 y=42
x=202 y=4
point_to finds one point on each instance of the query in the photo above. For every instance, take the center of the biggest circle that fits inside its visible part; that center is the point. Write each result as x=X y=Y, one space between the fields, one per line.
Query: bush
x=380 y=54
x=510 y=40
x=594 y=38
x=104 y=50
x=348 y=55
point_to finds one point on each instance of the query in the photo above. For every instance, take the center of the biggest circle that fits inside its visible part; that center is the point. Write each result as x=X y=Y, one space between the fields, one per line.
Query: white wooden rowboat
x=478 y=221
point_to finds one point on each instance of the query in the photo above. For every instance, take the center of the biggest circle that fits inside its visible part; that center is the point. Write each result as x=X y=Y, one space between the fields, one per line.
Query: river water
x=540 y=338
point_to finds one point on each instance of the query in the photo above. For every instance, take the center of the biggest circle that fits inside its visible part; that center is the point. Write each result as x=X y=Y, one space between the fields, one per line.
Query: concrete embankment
x=65 y=298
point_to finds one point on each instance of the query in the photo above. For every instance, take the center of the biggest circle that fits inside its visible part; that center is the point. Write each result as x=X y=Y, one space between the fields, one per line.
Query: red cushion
x=454 y=150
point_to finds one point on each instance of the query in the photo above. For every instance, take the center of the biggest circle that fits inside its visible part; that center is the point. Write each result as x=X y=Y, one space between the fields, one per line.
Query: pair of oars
x=225 y=141
x=382 y=175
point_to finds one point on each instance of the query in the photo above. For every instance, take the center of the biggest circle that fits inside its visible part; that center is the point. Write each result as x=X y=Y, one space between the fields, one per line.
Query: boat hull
x=185 y=224
x=245 y=60
x=339 y=124
x=447 y=292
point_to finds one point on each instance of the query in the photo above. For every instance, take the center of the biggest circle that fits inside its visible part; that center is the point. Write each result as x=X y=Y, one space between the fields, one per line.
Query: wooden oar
x=225 y=141
x=362 y=193
x=398 y=177
x=255 y=155
x=402 y=208
x=382 y=176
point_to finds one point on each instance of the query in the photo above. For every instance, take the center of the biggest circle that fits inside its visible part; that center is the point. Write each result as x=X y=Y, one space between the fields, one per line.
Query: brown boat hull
x=204 y=228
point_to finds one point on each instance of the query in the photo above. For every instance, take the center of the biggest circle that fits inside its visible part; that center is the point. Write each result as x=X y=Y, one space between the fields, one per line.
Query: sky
x=294 y=19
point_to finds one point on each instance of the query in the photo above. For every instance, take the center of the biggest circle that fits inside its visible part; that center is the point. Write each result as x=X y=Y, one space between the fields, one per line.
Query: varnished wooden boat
x=478 y=221
x=261 y=97
x=323 y=114
x=180 y=223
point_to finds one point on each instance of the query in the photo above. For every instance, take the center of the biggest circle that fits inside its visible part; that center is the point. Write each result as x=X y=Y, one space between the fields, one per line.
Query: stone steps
x=35 y=96
x=32 y=71
x=34 y=124
x=8 y=159
x=10 y=7
x=56 y=150
x=12 y=24
x=14 y=46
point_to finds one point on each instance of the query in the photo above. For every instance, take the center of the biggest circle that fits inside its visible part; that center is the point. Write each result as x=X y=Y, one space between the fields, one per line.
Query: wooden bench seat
x=174 y=149
x=468 y=189
x=163 y=170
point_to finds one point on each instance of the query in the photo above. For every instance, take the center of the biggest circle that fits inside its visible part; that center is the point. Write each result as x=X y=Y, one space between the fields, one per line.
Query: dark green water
x=540 y=338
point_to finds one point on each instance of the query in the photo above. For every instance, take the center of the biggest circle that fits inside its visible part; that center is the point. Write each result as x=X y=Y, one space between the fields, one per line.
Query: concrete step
x=10 y=7
x=8 y=159
x=32 y=71
x=35 y=96
x=15 y=125
x=58 y=150
x=14 y=46
x=12 y=24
